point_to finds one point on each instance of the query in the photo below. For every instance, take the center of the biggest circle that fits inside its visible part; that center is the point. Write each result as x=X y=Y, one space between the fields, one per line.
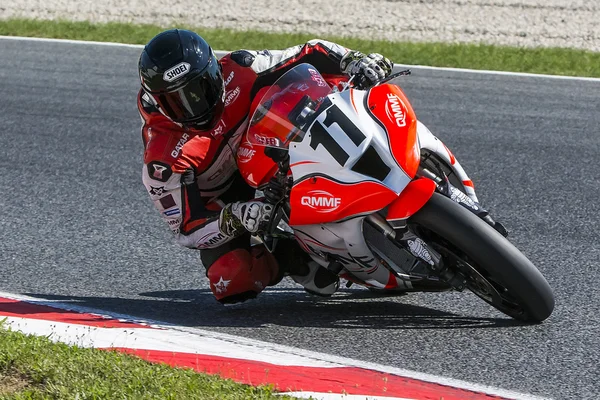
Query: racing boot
x=299 y=266
x=317 y=279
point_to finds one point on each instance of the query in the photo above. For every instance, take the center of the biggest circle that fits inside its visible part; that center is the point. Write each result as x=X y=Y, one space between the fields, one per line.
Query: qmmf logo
x=394 y=111
x=176 y=72
x=245 y=154
x=321 y=201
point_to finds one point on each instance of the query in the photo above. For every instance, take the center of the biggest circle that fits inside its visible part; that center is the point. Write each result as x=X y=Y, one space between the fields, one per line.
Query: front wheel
x=495 y=269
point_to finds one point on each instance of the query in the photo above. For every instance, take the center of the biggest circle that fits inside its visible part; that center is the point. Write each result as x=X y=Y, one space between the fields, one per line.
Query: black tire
x=445 y=225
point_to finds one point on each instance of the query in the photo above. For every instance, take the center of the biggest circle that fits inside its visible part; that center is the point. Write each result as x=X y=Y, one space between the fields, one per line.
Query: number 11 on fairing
x=320 y=135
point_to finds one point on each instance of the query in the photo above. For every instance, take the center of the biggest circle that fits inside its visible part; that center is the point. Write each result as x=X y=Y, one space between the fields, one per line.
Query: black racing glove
x=368 y=70
x=252 y=216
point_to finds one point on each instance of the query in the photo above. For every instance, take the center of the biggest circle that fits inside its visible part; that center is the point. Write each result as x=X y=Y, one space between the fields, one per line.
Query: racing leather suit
x=191 y=175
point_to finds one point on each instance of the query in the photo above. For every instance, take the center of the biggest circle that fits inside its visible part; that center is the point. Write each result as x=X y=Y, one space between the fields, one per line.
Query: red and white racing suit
x=191 y=175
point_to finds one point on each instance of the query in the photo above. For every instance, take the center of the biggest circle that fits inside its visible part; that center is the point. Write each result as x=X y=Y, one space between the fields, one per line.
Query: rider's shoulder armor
x=242 y=57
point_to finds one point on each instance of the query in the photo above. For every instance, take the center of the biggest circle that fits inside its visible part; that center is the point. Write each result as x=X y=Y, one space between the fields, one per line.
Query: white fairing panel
x=346 y=242
x=317 y=155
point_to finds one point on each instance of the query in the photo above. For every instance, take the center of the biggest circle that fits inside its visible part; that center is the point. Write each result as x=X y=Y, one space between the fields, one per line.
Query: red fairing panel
x=412 y=198
x=388 y=104
x=321 y=200
x=255 y=167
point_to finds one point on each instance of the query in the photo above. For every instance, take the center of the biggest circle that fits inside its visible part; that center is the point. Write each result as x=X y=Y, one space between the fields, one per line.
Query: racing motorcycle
x=372 y=195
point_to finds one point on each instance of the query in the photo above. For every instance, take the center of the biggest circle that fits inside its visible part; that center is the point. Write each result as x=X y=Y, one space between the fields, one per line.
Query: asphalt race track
x=77 y=226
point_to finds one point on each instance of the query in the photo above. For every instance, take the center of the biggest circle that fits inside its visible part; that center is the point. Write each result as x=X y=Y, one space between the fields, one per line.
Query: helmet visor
x=197 y=99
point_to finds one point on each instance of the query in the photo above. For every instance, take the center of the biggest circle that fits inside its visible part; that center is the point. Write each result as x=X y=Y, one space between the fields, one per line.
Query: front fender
x=413 y=197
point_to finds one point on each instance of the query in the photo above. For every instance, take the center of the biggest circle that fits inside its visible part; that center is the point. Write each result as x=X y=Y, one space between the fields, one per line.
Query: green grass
x=555 y=61
x=33 y=367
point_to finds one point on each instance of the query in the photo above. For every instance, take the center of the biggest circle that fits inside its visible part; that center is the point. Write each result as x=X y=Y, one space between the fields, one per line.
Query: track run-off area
x=77 y=226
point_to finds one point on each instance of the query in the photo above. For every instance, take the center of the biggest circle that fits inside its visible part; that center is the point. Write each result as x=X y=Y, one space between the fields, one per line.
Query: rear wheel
x=495 y=269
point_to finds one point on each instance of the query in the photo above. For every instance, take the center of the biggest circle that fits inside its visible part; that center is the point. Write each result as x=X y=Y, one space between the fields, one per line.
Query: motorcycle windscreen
x=286 y=109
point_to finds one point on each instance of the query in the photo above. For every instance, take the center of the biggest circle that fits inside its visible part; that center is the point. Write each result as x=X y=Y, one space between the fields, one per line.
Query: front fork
x=404 y=238
x=399 y=233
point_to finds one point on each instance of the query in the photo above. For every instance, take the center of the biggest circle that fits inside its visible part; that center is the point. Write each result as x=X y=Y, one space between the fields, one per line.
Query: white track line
x=220 y=53
x=291 y=351
x=35 y=39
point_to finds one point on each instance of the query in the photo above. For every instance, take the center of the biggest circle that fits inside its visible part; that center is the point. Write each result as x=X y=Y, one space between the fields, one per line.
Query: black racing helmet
x=179 y=70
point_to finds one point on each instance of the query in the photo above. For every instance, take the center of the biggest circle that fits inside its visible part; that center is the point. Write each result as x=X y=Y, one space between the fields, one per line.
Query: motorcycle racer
x=195 y=109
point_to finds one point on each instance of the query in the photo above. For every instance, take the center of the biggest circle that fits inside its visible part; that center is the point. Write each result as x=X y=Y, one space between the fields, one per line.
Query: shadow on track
x=349 y=309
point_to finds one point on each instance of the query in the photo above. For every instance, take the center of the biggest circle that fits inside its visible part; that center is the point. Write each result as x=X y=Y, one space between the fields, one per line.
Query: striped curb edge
x=292 y=371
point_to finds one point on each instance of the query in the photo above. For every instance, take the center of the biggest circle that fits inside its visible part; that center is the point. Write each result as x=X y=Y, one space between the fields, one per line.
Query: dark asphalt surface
x=78 y=226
